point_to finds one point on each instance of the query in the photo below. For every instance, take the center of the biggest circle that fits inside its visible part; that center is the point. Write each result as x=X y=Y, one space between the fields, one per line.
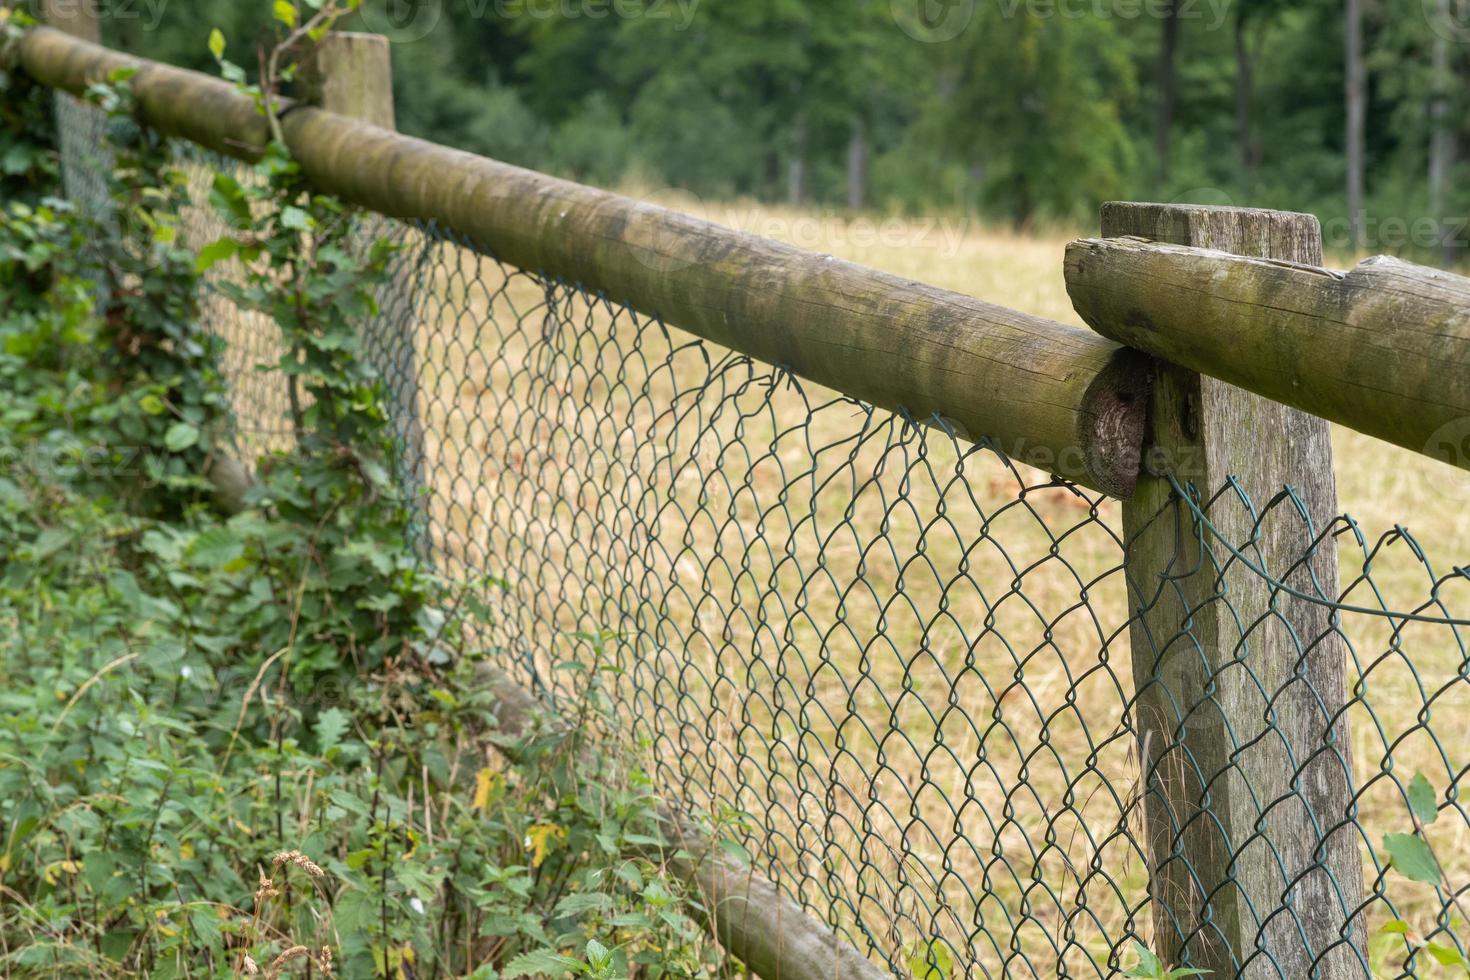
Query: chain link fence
x=895 y=664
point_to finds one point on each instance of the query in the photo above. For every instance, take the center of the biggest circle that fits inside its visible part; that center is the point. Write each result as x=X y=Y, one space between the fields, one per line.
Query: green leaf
x=930 y=962
x=216 y=547
x=1412 y=857
x=579 y=902
x=204 y=921
x=285 y=12
x=296 y=219
x=1148 y=965
x=217 y=43
x=538 y=962
x=1422 y=800
x=1445 y=955
x=180 y=436
x=215 y=252
x=330 y=726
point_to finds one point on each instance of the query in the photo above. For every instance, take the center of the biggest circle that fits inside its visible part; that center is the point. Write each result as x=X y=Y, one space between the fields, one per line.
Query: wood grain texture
x=351 y=73
x=1252 y=876
x=1384 y=349
x=1056 y=397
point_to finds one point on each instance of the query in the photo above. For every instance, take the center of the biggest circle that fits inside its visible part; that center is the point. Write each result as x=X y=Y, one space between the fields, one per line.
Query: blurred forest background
x=1029 y=112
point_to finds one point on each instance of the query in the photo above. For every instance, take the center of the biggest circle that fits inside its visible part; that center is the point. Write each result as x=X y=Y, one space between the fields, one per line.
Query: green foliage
x=1150 y=967
x=1412 y=857
x=29 y=166
x=260 y=743
x=1030 y=110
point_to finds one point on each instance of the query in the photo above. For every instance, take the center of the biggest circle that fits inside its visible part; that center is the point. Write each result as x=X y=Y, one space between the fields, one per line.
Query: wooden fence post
x=79 y=18
x=1246 y=765
x=351 y=74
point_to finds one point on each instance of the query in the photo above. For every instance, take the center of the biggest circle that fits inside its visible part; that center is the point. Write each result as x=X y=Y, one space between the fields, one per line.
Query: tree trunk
x=1356 y=97
x=857 y=164
x=1167 y=48
x=1441 y=133
x=1250 y=156
x=796 y=168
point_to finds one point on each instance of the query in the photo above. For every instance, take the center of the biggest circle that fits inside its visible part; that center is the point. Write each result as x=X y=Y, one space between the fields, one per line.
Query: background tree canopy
x=1021 y=110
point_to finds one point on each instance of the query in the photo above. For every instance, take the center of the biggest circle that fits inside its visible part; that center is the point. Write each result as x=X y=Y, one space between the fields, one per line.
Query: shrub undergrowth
x=259 y=743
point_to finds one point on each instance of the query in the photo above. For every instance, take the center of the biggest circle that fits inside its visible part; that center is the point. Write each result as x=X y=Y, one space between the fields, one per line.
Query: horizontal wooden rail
x=1053 y=396
x=1384 y=349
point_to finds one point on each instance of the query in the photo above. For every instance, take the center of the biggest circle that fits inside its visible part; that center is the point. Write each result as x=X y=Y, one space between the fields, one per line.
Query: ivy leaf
x=217 y=43
x=296 y=219
x=1412 y=856
x=215 y=252
x=1422 y=800
x=180 y=436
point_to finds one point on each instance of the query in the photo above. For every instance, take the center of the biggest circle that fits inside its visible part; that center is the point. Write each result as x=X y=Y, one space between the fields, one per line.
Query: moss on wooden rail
x=1384 y=349
x=1056 y=397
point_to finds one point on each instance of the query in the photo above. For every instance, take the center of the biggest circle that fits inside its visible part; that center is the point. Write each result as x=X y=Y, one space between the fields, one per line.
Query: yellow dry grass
x=906 y=666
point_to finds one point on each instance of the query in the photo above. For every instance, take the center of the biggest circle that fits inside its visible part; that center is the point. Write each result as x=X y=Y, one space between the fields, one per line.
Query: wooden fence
x=1221 y=351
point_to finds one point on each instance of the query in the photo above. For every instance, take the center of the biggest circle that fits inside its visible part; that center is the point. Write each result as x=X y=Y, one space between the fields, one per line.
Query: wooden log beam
x=1384 y=349
x=1053 y=396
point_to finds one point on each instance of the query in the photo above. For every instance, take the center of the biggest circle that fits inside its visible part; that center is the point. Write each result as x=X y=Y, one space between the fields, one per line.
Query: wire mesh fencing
x=900 y=667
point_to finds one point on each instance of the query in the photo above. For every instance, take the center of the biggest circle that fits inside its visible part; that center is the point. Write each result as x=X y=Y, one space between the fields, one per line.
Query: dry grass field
x=900 y=666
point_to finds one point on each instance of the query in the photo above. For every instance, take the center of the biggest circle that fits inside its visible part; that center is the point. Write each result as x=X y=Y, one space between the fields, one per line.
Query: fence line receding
x=773 y=490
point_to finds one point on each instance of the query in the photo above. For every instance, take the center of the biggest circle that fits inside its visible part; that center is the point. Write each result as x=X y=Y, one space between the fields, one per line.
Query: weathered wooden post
x=351 y=74
x=79 y=18
x=1246 y=763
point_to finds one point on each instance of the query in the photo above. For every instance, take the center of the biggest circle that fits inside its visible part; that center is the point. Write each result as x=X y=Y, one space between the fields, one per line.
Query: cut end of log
x=1113 y=422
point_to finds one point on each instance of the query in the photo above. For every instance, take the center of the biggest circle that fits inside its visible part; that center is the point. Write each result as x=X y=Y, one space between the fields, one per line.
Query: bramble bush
x=257 y=740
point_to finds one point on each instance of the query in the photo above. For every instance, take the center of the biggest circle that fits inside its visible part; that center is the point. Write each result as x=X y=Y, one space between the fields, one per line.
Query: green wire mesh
x=897 y=665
